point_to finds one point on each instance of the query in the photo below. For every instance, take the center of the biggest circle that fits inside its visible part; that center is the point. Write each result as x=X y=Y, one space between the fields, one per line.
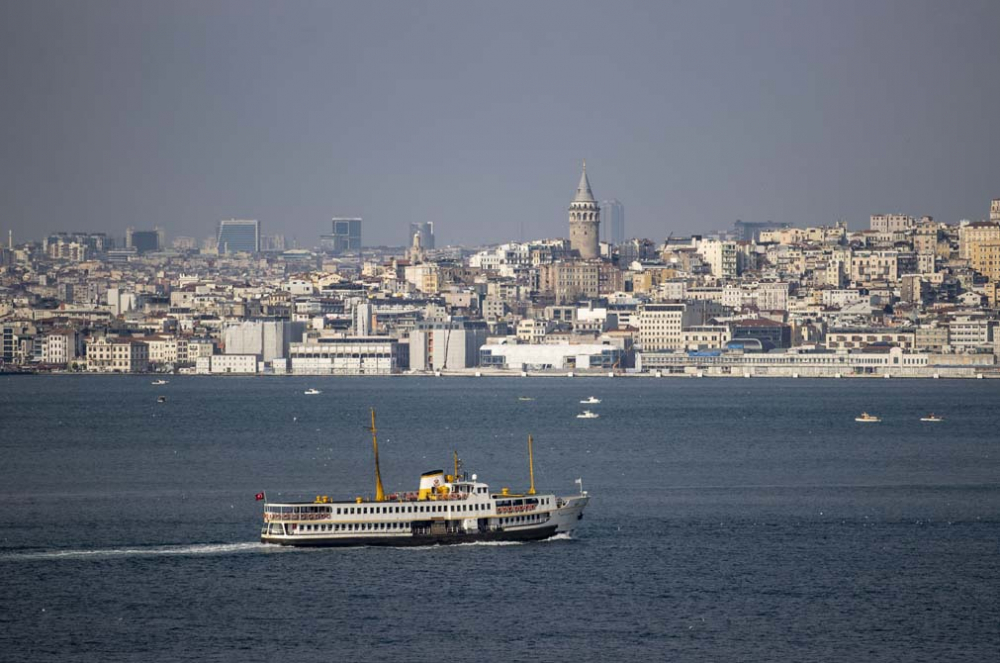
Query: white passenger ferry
x=447 y=508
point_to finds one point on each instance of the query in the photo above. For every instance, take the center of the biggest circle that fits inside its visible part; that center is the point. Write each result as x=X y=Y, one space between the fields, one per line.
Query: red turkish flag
x=260 y=496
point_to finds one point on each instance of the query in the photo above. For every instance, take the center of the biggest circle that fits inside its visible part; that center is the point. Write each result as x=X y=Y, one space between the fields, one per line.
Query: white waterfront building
x=530 y=356
x=227 y=365
x=347 y=355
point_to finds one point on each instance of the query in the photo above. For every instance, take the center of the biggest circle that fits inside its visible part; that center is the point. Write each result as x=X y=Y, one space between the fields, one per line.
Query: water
x=748 y=520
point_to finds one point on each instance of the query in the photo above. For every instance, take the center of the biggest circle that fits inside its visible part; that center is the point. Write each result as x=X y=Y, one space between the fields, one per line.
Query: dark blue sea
x=730 y=520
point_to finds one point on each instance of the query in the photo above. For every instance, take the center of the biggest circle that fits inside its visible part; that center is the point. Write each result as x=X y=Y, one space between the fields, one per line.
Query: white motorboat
x=159 y=382
x=591 y=401
x=312 y=392
x=587 y=414
x=932 y=418
x=866 y=418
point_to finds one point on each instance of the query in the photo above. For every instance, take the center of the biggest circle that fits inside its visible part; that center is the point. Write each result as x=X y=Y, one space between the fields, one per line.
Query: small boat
x=161 y=399
x=932 y=418
x=525 y=398
x=159 y=382
x=312 y=392
x=587 y=414
x=866 y=418
x=591 y=400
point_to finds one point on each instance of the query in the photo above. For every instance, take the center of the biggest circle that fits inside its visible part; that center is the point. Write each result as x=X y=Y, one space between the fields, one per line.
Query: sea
x=730 y=520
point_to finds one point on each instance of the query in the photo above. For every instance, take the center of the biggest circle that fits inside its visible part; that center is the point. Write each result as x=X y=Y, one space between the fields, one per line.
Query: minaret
x=585 y=220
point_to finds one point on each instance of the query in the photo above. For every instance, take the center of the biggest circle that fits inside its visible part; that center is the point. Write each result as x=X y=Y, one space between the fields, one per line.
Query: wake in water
x=151 y=551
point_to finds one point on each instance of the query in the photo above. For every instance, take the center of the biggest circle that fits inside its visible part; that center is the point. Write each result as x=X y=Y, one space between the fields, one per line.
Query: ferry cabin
x=460 y=510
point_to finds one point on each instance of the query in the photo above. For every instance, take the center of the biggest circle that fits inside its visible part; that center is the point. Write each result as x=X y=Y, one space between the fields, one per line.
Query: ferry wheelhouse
x=446 y=508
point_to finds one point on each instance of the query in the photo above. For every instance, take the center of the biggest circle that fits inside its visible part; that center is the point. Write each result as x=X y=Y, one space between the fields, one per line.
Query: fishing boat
x=592 y=400
x=933 y=418
x=312 y=392
x=866 y=418
x=159 y=382
x=445 y=509
x=587 y=414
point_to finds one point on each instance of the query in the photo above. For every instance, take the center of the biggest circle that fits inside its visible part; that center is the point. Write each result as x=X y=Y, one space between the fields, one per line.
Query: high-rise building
x=426 y=232
x=613 y=214
x=746 y=231
x=585 y=220
x=272 y=243
x=144 y=241
x=239 y=236
x=346 y=235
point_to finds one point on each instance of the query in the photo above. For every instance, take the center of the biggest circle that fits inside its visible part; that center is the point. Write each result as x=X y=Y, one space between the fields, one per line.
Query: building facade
x=345 y=235
x=613 y=215
x=238 y=236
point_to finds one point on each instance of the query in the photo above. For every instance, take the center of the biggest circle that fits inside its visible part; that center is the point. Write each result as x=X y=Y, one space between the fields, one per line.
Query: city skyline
x=197 y=113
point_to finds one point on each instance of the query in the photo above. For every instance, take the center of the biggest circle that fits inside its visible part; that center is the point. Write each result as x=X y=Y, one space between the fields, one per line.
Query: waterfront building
x=116 y=355
x=227 y=365
x=265 y=339
x=238 y=236
x=62 y=346
x=550 y=356
x=439 y=345
x=585 y=220
x=370 y=355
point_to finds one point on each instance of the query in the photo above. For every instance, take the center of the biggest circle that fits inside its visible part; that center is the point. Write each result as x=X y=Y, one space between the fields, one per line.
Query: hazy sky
x=476 y=116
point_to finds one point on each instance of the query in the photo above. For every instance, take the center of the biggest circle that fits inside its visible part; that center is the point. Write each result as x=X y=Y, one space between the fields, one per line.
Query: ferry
x=446 y=509
x=587 y=414
x=932 y=418
x=866 y=418
x=312 y=392
x=591 y=401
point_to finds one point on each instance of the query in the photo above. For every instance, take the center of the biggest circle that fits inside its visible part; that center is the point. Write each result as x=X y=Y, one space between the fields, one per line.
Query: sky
x=477 y=115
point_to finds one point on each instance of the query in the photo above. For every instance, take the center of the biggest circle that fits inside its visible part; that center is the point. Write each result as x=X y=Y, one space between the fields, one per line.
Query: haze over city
x=476 y=116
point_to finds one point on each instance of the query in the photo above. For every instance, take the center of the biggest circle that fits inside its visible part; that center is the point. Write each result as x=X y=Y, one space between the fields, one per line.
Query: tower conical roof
x=583 y=192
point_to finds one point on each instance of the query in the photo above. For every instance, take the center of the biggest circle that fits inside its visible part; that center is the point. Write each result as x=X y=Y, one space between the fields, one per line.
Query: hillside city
x=908 y=297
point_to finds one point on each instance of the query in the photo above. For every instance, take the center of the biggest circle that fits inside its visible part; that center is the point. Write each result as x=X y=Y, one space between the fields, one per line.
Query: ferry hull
x=403 y=540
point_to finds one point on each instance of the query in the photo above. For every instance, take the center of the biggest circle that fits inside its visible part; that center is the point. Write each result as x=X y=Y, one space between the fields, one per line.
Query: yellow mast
x=531 y=467
x=379 y=493
x=455 y=454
